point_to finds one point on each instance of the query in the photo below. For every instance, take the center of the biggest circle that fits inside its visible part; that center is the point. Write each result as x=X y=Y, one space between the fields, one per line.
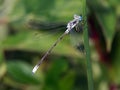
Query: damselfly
x=72 y=24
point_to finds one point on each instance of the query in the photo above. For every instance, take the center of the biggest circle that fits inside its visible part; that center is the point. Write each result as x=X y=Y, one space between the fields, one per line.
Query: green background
x=23 y=44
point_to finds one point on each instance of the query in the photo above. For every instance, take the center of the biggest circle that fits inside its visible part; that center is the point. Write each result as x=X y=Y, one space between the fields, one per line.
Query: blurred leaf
x=38 y=6
x=1 y=1
x=53 y=75
x=2 y=70
x=67 y=82
x=107 y=20
x=21 y=72
x=15 y=40
x=106 y=17
x=7 y=9
x=3 y=32
x=27 y=41
x=1 y=56
x=115 y=57
x=47 y=11
x=114 y=2
x=58 y=67
x=18 y=12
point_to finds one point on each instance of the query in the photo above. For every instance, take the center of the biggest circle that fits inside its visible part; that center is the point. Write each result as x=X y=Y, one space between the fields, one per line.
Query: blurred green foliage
x=65 y=69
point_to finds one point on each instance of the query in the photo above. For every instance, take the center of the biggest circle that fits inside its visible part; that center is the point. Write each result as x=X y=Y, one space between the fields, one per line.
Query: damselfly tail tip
x=35 y=69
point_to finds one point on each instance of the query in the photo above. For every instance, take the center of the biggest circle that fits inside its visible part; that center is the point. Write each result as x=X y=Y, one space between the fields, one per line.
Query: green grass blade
x=87 y=48
x=89 y=65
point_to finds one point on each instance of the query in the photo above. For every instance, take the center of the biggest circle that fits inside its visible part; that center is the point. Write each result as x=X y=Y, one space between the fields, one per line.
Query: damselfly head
x=78 y=17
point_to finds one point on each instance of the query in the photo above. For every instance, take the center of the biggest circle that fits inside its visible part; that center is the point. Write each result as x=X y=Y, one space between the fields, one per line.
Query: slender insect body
x=70 y=26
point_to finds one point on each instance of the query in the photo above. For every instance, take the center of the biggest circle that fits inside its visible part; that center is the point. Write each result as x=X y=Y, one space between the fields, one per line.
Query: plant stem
x=87 y=49
x=89 y=65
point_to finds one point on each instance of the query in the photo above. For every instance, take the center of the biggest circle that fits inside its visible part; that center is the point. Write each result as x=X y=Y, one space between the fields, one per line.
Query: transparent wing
x=76 y=36
x=34 y=24
x=41 y=35
x=45 y=29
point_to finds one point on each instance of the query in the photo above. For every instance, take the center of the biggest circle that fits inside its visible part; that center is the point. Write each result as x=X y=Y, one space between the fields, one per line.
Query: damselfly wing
x=76 y=36
x=42 y=30
x=46 y=26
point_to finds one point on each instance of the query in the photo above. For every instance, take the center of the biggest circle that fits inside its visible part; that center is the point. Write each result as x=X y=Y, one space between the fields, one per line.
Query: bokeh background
x=29 y=27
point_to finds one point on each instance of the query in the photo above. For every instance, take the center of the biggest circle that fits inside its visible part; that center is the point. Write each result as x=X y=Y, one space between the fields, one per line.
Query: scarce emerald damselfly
x=70 y=27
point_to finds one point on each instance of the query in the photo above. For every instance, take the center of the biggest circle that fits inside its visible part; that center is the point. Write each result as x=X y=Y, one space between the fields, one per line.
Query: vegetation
x=28 y=28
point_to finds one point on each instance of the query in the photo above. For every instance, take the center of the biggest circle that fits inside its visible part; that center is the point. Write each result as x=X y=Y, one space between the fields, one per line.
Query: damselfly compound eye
x=80 y=18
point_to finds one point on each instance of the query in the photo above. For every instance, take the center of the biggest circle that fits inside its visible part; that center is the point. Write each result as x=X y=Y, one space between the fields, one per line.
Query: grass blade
x=87 y=48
